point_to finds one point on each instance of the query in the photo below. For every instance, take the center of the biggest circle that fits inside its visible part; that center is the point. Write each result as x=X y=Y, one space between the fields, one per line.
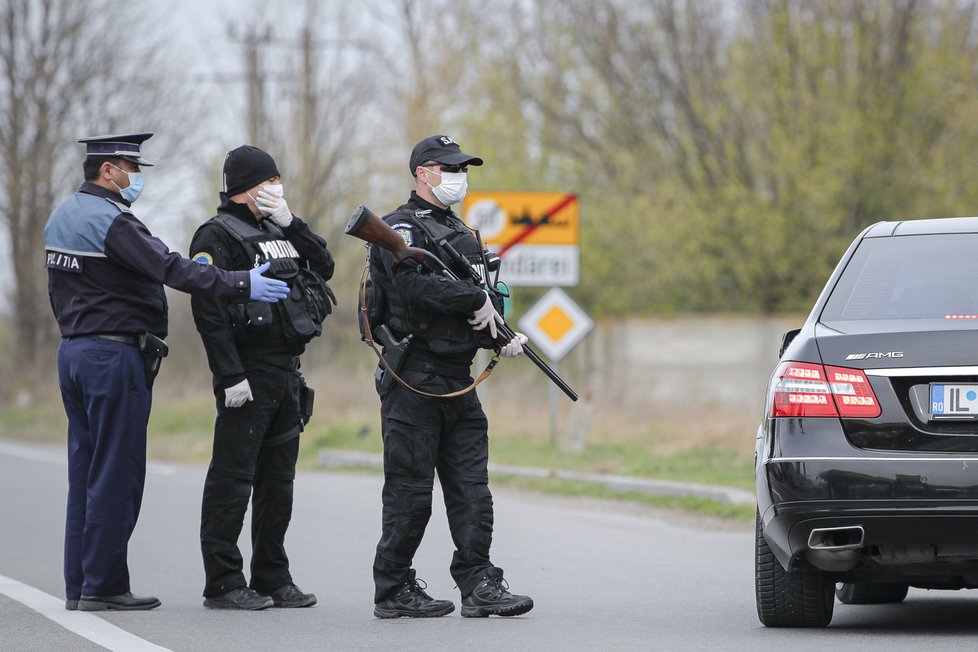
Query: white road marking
x=81 y=623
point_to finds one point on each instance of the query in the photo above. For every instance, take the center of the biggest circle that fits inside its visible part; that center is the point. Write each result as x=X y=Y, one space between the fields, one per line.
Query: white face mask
x=452 y=188
x=276 y=189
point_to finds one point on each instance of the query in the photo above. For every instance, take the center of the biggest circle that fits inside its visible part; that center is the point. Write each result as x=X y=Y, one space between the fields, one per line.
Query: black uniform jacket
x=450 y=301
x=213 y=244
x=106 y=271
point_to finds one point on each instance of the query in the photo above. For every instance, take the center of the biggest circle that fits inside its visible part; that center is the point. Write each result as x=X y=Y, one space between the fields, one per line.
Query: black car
x=867 y=456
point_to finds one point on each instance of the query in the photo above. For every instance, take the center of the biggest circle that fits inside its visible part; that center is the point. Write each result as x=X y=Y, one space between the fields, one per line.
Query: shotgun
x=365 y=225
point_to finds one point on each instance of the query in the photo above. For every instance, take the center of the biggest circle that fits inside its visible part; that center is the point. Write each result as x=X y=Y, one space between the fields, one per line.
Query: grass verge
x=182 y=432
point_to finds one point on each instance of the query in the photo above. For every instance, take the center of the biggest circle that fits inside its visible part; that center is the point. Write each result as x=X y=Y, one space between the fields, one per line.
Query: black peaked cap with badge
x=124 y=146
x=441 y=149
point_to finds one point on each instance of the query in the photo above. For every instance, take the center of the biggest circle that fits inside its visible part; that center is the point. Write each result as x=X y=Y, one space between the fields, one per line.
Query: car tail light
x=803 y=389
x=853 y=394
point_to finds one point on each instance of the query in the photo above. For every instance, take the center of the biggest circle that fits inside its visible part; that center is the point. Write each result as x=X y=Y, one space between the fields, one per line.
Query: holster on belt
x=307 y=397
x=154 y=350
x=394 y=353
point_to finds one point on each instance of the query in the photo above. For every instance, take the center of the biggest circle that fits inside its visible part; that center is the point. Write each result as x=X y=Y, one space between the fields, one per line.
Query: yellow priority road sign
x=555 y=324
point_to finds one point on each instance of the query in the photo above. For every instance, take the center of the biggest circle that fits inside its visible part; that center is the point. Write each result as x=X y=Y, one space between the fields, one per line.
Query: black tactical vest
x=444 y=334
x=310 y=300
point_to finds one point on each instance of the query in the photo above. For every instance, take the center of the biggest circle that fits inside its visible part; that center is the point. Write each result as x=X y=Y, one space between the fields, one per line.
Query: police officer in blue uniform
x=262 y=402
x=447 y=321
x=106 y=274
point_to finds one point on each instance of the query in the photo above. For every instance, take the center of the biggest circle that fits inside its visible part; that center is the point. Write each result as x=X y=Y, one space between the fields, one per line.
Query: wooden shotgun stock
x=365 y=225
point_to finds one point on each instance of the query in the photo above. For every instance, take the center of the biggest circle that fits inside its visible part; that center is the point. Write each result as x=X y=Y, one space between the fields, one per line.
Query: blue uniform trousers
x=103 y=387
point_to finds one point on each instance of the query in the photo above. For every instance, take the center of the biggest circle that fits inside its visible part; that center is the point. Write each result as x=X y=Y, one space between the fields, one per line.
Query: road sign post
x=537 y=238
x=555 y=325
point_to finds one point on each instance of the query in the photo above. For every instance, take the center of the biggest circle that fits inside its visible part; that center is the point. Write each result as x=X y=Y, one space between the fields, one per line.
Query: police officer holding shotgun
x=106 y=274
x=446 y=321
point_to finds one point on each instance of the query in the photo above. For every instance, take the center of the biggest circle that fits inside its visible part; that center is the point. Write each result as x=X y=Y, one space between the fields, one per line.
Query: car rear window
x=908 y=277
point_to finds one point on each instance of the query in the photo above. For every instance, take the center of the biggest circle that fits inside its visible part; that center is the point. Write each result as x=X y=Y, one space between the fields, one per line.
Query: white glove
x=274 y=206
x=486 y=316
x=237 y=395
x=515 y=346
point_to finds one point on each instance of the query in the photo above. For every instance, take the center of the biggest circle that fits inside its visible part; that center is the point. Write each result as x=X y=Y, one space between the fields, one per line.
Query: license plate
x=953 y=401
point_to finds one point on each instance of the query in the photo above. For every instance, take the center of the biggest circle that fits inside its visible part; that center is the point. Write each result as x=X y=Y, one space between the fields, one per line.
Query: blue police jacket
x=106 y=271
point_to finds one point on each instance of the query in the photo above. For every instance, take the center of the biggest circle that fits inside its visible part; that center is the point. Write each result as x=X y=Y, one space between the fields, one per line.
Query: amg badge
x=867 y=356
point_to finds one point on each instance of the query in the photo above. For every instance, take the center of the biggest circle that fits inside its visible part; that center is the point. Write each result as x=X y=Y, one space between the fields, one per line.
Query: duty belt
x=285 y=361
x=124 y=339
x=414 y=362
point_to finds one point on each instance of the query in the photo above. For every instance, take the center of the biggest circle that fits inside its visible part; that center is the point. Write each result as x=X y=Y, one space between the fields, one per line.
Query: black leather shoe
x=71 y=605
x=411 y=601
x=124 y=602
x=491 y=597
x=290 y=597
x=239 y=598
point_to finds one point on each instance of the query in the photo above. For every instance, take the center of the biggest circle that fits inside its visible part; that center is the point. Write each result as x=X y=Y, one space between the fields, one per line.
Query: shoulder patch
x=406 y=232
x=203 y=258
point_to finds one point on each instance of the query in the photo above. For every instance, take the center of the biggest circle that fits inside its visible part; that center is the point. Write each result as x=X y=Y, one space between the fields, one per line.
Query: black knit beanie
x=245 y=167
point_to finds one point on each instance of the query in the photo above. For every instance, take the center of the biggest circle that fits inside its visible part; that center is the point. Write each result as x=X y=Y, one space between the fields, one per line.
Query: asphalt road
x=603 y=576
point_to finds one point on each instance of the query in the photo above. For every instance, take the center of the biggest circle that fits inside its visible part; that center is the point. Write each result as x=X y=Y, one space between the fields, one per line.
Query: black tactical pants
x=255 y=449
x=421 y=435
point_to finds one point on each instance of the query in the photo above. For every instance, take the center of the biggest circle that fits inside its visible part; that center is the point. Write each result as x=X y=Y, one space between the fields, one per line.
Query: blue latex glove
x=270 y=290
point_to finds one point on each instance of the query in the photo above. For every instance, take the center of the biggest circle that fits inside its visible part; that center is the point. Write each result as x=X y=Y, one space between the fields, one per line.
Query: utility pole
x=294 y=126
x=253 y=41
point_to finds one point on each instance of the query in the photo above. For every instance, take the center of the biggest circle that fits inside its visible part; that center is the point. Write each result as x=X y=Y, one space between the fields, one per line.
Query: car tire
x=803 y=598
x=871 y=593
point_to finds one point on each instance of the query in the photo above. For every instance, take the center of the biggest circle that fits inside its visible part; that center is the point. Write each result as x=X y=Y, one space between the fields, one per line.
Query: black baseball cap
x=441 y=149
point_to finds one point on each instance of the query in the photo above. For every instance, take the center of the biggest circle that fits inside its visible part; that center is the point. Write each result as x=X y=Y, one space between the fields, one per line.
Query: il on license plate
x=953 y=401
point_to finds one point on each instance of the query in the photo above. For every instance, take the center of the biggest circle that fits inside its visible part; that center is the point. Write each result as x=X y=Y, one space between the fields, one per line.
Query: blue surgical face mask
x=135 y=188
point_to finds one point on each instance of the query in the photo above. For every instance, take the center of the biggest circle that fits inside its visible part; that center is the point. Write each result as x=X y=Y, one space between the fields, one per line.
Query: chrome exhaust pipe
x=837 y=539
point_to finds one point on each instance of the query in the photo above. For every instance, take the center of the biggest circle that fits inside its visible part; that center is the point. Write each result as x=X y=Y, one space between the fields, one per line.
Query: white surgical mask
x=276 y=189
x=452 y=188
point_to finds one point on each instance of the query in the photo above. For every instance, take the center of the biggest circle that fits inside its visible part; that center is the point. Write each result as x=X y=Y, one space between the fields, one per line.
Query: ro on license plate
x=953 y=401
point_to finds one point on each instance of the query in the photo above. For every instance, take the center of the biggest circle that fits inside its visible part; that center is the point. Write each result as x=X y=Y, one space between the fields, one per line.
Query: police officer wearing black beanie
x=262 y=400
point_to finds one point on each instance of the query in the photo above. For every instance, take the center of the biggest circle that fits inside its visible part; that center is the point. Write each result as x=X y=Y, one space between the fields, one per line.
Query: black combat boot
x=291 y=596
x=411 y=601
x=241 y=598
x=491 y=597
